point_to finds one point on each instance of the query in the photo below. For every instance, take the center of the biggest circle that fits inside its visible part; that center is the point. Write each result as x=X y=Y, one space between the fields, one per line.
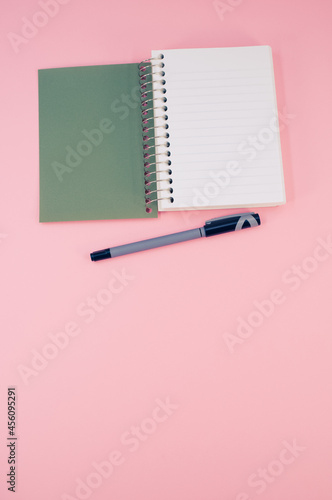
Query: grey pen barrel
x=162 y=241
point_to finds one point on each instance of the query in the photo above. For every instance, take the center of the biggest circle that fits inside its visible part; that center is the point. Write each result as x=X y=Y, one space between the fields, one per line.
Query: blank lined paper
x=223 y=128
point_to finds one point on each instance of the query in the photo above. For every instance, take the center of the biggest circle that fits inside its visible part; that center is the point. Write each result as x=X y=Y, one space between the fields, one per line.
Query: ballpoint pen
x=211 y=227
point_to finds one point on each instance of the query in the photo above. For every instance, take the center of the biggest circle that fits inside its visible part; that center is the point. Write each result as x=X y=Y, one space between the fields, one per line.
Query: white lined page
x=223 y=128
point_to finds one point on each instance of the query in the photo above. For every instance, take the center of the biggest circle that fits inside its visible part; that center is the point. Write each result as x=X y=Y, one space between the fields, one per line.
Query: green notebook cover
x=91 y=147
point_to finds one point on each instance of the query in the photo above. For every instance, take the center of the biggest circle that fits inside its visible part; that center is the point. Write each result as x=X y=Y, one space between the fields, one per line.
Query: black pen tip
x=100 y=255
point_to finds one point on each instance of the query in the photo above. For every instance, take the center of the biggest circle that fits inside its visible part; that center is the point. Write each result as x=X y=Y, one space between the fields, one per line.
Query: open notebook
x=188 y=129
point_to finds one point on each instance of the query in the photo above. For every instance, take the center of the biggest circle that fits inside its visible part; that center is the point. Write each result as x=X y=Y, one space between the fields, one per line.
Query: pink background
x=162 y=336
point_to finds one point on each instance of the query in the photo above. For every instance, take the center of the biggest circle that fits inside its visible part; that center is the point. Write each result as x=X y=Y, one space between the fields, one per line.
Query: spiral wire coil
x=155 y=136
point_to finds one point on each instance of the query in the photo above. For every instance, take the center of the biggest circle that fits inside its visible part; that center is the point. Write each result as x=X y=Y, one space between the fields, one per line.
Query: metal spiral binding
x=152 y=100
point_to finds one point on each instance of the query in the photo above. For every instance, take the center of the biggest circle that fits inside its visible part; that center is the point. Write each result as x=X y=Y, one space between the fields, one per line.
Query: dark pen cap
x=231 y=223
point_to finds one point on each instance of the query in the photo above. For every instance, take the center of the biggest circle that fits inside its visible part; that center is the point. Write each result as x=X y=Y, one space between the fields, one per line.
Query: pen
x=211 y=227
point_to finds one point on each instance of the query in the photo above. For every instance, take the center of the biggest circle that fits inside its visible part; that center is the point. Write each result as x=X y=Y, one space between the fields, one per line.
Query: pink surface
x=175 y=386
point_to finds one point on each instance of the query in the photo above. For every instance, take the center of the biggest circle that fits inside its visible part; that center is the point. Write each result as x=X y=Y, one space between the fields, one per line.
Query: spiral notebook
x=186 y=129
